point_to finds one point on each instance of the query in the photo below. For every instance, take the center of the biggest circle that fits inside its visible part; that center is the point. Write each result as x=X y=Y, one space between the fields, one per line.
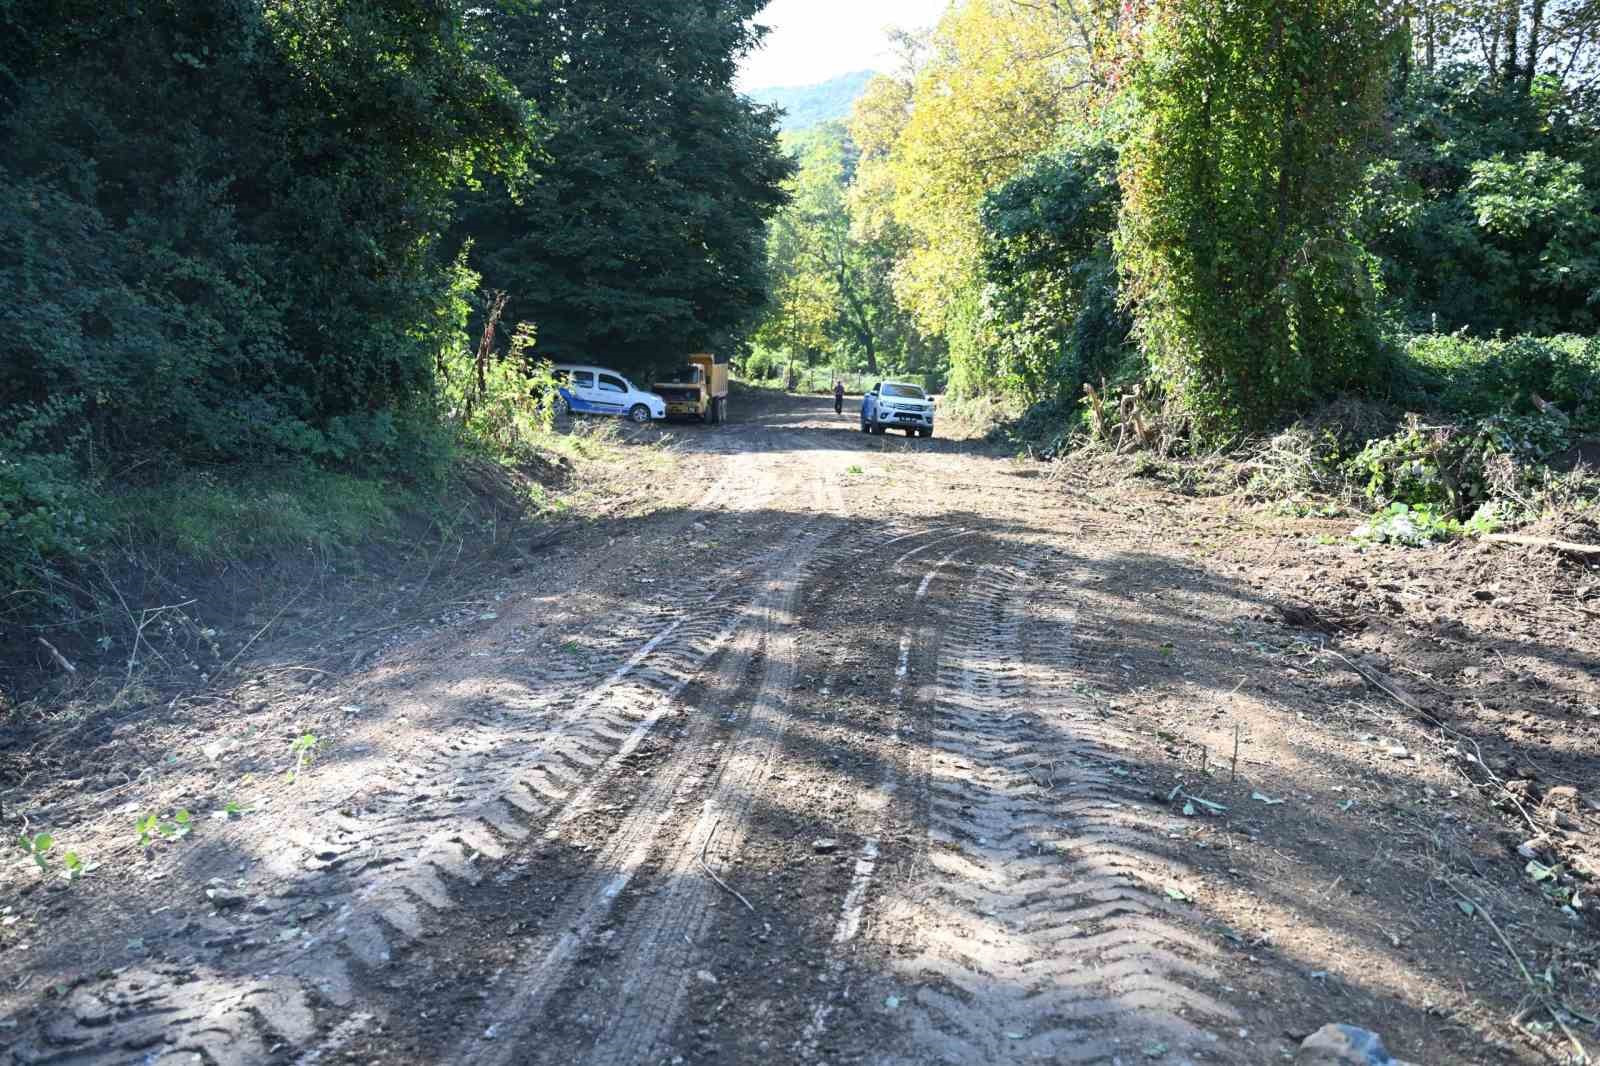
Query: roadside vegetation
x=1328 y=254
x=279 y=278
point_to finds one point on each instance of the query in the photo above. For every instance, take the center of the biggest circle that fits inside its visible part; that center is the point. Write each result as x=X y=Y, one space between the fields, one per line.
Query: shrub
x=1468 y=376
x=760 y=365
x=1460 y=466
x=46 y=509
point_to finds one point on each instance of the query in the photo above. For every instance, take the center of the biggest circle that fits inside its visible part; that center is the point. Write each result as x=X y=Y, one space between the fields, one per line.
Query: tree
x=1485 y=212
x=221 y=216
x=834 y=278
x=1251 y=124
x=1051 y=294
x=998 y=83
x=1517 y=40
x=643 y=237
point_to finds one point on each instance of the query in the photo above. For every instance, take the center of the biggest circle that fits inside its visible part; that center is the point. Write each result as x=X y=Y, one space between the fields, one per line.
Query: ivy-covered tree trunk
x=1252 y=122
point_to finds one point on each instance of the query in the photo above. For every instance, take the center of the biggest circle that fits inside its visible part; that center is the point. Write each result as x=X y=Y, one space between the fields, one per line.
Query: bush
x=46 y=509
x=1466 y=376
x=760 y=365
x=1461 y=467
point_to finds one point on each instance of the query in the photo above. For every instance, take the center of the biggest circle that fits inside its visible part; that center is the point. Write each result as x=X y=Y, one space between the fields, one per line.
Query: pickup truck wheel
x=639 y=414
x=864 y=427
x=924 y=432
x=911 y=431
x=877 y=430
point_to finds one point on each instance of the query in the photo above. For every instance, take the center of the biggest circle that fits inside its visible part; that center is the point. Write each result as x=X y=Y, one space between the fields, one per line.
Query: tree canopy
x=250 y=232
x=640 y=237
x=1246 y=206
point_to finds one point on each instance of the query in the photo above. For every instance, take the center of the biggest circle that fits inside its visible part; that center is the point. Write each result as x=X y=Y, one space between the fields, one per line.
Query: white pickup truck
x=892 y=404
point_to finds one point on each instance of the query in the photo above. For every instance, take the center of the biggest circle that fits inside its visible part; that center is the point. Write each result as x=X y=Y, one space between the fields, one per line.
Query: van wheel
x=640 y=414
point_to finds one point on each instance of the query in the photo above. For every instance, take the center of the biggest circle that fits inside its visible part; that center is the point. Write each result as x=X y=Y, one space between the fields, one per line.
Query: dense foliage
x=1054 y=308
x=231 y=230
x=641 y=238
x=1486 y=213
x=219 y=216
x=1241 y=208
x=832 y=280
x=1251 y=122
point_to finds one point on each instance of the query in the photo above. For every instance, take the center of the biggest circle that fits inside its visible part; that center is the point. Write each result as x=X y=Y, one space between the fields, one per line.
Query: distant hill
x=810 y=105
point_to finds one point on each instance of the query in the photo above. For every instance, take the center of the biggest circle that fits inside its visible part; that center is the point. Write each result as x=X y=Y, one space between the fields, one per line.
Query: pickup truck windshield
x=904 y=392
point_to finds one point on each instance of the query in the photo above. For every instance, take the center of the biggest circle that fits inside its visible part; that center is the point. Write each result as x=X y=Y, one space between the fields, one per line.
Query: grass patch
x=212 y=519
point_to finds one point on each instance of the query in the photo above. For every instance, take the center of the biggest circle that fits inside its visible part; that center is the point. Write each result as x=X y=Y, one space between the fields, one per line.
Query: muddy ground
x=847 y=749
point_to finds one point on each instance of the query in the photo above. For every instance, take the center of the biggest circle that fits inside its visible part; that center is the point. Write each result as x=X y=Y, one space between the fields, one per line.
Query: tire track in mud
x=915 y=632
x=370 y=872
x=630 y=1015
x=1042 y=929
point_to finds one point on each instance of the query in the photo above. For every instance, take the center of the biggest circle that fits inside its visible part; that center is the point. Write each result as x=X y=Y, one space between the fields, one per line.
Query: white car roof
x=570 y=367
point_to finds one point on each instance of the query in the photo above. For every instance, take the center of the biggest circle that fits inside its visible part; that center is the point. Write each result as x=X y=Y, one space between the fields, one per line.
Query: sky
x=814 y=40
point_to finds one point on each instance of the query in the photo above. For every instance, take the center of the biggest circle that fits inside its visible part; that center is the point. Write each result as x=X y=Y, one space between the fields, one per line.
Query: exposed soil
x=851 y=749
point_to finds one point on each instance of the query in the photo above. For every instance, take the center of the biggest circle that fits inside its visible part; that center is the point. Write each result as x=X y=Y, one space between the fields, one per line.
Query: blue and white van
x=595 y=390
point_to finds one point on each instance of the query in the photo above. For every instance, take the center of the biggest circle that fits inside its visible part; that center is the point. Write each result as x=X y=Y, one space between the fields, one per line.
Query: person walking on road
x=838 y=397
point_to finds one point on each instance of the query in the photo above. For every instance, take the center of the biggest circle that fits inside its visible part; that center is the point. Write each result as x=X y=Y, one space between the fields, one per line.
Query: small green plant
x=152 y=826
x=854 y=469
x=1459 y=466
x=304 y=749
x=1413 y=525
x=39 y=846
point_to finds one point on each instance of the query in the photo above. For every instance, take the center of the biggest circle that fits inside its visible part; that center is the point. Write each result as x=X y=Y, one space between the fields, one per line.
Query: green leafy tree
x=1485 y=212
x=1251 y=123
x=999 y=79
x=1052 y=293
x=834 y=276
x=222 y=215
x=643 y=238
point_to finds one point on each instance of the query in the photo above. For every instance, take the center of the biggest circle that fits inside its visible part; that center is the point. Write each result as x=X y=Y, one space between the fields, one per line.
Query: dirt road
x=864 y=750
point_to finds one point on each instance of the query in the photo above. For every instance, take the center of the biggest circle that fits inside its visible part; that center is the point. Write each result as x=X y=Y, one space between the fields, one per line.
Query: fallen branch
x=1533 y=987
x=1411 y=705
x=719 y=881
x=1565 y=547
x=61 y=660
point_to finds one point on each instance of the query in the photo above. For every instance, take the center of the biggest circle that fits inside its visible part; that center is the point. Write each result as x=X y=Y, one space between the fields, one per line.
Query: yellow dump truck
x=701 y=391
